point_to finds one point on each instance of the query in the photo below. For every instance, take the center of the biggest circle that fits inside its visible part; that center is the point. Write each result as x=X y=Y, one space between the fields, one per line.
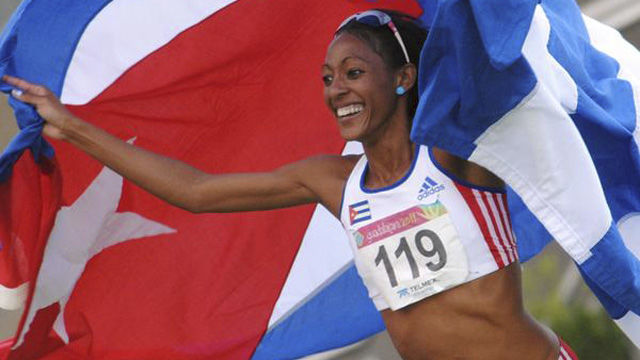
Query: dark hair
x=382 y=41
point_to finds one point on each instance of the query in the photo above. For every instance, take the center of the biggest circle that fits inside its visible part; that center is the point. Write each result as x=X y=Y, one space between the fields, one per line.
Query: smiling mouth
x=349 y=110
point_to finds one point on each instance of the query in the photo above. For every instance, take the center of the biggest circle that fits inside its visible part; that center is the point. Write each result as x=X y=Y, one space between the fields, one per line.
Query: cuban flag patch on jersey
x=359 y=212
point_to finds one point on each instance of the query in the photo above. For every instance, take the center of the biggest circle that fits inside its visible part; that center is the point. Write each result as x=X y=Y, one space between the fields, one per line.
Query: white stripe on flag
x=492 y=231
x=125 y=32
x=13 y=298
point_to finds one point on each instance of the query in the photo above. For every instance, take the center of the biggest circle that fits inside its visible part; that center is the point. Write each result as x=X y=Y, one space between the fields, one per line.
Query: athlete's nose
x=337 y=88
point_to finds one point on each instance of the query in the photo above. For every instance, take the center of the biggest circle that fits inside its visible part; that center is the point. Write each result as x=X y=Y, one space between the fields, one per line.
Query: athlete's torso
x=424 y=234
x=480 y=320
x=474 y=313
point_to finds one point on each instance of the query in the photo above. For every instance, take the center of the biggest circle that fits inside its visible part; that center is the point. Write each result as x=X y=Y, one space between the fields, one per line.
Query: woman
x=442 y=271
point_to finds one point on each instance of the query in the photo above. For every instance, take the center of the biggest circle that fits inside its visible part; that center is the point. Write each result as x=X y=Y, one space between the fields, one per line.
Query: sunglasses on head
x=377 y=18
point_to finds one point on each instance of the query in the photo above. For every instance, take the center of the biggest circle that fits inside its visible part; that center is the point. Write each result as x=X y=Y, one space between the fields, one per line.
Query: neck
x=389 y=155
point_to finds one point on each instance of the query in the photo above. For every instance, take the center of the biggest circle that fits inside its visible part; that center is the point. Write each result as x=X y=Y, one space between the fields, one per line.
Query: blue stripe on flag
x=361 y=203
x=347 y=316
x=610 y=250
x=614 y=309
x=49 y=70
x=360 y=219
x=488 y=93
x=531 y=236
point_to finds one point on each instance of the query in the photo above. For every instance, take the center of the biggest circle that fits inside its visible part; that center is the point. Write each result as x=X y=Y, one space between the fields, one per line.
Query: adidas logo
x=429 y=187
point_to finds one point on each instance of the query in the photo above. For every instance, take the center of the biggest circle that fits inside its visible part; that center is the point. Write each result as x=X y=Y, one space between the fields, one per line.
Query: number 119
x=403 y=247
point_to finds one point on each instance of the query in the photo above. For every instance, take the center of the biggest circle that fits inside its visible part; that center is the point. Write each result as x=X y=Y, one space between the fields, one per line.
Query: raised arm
x=312 y=180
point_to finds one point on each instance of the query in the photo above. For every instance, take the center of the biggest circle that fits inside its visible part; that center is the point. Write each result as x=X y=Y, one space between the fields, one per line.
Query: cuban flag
x=359 y=212
x=104 y=269
x=549 y=100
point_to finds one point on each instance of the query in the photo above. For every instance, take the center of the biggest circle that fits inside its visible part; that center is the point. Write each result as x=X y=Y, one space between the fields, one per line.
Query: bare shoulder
x=324 y=166
x=337 y=165
x=325 y=176
x=466 y=170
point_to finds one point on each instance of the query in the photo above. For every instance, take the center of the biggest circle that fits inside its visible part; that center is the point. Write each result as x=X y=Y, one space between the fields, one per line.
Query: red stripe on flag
x=472 y=202
x=29 y=201
x=5 y=347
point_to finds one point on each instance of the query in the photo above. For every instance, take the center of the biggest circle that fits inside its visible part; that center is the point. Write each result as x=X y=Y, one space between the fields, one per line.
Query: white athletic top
x=424 y=234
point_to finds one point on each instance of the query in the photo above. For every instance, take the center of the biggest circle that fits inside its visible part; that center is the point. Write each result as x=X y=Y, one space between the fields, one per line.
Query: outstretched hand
x=46 y=103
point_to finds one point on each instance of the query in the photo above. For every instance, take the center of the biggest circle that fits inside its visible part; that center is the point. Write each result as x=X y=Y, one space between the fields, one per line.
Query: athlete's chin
x=351 y=132
x=350 y=135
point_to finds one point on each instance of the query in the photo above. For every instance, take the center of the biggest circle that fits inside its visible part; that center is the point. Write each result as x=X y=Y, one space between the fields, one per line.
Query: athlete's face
x=359 y=88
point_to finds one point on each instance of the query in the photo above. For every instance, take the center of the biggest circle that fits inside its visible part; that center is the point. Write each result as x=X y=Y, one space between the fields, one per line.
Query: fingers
x=27 y=97
x=26 y=91
x=25 y=86
x=44 y=101
x=17 y=82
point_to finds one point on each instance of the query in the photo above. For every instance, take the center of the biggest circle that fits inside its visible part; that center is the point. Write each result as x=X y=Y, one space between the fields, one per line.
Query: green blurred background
x=555 y=294
x=553 y=290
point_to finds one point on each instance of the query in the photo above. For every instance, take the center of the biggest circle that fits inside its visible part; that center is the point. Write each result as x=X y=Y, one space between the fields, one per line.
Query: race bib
x=413 y=254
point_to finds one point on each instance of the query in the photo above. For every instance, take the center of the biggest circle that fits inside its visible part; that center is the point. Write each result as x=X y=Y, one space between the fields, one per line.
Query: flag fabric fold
x=29 y=121
x=548 y=100
x=29 y=201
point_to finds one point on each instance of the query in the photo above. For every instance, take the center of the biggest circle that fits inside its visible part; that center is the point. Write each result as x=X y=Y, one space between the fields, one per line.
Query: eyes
x=327 y=79
x=351 y=74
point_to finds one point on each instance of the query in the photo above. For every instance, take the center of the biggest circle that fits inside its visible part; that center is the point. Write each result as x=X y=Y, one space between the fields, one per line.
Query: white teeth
x=349 y=110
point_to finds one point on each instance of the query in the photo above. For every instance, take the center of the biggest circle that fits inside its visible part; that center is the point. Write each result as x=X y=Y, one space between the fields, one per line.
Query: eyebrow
x=345 y=60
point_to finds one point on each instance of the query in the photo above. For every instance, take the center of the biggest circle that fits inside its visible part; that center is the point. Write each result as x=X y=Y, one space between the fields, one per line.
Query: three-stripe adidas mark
x=429 y=187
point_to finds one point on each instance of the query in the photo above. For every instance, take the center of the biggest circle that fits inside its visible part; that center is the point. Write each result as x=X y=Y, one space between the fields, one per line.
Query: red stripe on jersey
x=500 y=227
x=483 y=201
x=507 y=221
x=472 y=202
x=501 y=201
x=566 y=353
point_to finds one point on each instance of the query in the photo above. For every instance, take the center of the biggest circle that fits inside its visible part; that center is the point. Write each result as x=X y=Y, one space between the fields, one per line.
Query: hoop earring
x=400 y=90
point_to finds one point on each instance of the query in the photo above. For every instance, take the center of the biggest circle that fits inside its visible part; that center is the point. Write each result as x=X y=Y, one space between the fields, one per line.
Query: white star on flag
x=70 y=246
